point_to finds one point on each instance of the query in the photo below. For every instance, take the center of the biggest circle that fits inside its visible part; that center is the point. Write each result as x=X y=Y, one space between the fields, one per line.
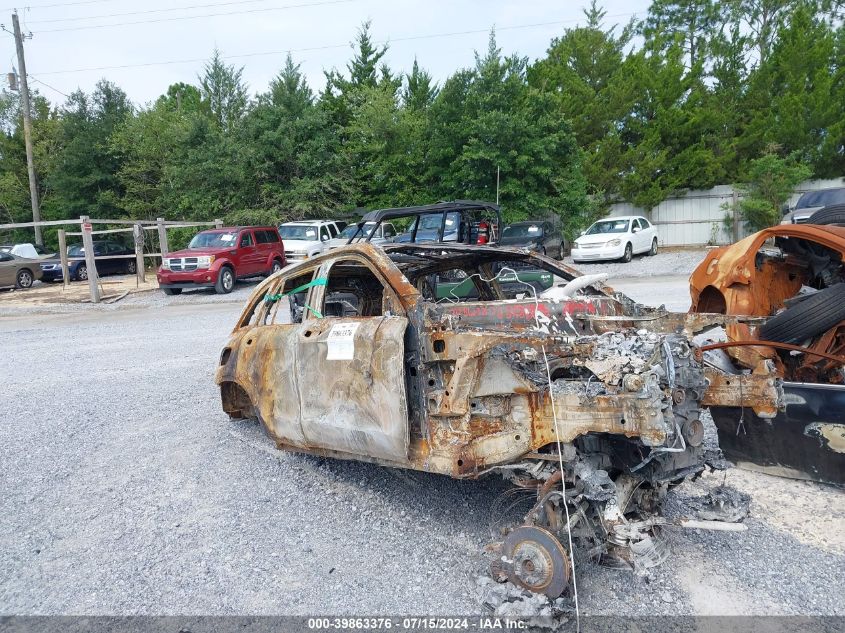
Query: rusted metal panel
x=759 y=392
x=262 y=362
x=357 y=404
x=725 y=275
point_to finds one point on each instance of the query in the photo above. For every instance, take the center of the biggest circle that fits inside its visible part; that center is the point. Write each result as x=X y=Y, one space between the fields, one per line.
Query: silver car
x=19 y=272
x=812 y=201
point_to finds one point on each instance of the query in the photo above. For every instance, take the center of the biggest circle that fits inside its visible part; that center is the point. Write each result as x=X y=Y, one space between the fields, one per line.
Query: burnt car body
x=792 y=275
x=358 y=355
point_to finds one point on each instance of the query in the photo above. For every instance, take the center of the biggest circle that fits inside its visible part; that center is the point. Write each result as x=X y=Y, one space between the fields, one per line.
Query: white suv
x=305 y=239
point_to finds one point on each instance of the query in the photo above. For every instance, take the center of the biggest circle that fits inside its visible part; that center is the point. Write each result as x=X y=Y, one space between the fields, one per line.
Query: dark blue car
x=52 y=269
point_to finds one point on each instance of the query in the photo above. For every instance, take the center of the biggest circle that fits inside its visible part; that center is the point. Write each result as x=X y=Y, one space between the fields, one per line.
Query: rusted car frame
x=367 y=364
x=767 y=274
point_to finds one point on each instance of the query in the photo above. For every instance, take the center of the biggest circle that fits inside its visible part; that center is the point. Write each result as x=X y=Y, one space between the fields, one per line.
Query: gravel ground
x=674 y=262
x=126 y=490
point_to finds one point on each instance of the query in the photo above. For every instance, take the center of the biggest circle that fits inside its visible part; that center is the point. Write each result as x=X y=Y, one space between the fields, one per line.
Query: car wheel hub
x=535 y=560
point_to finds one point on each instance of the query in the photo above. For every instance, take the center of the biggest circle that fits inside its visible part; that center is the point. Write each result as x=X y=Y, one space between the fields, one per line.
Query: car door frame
x=638 y=237
x=249 y=256
x=651 y=232
x=369 y=388
x=8 y=270
x=113 y=266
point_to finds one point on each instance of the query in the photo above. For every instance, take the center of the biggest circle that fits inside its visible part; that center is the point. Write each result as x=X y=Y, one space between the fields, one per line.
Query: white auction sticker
x=341 y=341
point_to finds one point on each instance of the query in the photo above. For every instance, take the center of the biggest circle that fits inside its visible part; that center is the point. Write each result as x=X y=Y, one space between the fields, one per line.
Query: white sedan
x=616 y=238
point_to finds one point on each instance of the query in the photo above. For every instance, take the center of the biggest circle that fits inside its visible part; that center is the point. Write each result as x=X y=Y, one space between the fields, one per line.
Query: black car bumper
x=51 y=275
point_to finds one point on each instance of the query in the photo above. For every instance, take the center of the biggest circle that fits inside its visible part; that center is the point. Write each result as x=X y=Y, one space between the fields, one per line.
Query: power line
x=195 y=17
x=49 y=86
x=59 y=4
x=309 y=49
x=149 y=11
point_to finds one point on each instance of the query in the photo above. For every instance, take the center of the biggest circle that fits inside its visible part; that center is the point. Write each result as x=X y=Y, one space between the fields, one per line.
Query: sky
x=66 y=53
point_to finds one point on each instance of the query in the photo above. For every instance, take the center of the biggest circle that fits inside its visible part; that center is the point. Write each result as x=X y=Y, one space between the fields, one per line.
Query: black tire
x=629 y=253
x=24 y=278
x=172 y=291
x=131 y=267
x=225 y=281
x=82 y=273
x=653 y=250
x=815 y=314
x=276 y=267
x=831 y=214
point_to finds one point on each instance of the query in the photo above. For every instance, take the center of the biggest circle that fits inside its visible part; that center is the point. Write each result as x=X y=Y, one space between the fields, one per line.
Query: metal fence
x=698 y=217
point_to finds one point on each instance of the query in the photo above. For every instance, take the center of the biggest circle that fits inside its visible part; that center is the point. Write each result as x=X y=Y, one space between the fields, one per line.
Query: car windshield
x=523 y=230
x=432 y=222
x=213 y=239
x=298 y=232
x=821 y=198
x=608 y=226
x=350 y=230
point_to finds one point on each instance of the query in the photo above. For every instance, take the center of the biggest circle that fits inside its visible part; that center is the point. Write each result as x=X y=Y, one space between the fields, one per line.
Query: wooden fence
x=86 y=231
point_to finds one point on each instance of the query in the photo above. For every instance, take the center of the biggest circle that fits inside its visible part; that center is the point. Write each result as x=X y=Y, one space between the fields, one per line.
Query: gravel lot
x=126 y=490
x=666 y=262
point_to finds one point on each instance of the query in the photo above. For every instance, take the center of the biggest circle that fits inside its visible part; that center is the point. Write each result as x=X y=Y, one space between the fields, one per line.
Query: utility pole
x=27 y=130
x=497 y=184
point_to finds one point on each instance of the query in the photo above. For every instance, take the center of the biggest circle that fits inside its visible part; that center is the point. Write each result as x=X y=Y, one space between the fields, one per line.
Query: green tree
x=791 y=98
x=224 y=91
x=694 y=22
x=585 y=72
x=420 y=90
x=770 y=181
x=289 y=90
x=83 y=176
x=490 y=119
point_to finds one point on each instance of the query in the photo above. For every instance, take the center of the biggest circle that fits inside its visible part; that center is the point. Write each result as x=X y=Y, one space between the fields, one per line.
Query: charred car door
x=350 y=365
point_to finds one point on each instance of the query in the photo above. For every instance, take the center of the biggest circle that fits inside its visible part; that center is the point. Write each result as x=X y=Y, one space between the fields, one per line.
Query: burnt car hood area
x=792 y=278
x=574 y=393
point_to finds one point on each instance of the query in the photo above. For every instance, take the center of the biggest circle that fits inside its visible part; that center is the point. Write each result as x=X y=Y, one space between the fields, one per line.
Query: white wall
x=697 y=217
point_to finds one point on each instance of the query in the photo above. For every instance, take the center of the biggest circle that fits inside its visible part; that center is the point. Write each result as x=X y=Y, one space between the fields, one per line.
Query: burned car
x=574 y=392
x=792 y=277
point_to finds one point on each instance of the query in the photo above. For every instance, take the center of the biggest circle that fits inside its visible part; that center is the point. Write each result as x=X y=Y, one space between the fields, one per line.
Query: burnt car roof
x=403 y=212
x=413 y=259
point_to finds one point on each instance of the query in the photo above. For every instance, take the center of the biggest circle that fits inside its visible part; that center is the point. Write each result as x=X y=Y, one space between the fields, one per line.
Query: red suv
x=216 y=258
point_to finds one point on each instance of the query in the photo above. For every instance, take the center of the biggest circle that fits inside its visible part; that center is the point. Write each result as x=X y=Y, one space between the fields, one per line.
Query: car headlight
x=614 y=243
x=165 y=263
x=205 y=261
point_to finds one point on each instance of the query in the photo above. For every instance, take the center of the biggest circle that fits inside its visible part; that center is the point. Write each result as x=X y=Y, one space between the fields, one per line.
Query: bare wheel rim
x=82 y=272
x=24 y=279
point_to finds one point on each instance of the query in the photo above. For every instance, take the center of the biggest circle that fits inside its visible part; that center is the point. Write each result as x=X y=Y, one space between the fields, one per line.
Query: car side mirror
x=324 y=238
x=583 y=232
x=636 y=229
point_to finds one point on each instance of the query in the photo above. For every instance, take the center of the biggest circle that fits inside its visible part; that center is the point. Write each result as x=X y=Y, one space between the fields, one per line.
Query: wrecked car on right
x=792 y=275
